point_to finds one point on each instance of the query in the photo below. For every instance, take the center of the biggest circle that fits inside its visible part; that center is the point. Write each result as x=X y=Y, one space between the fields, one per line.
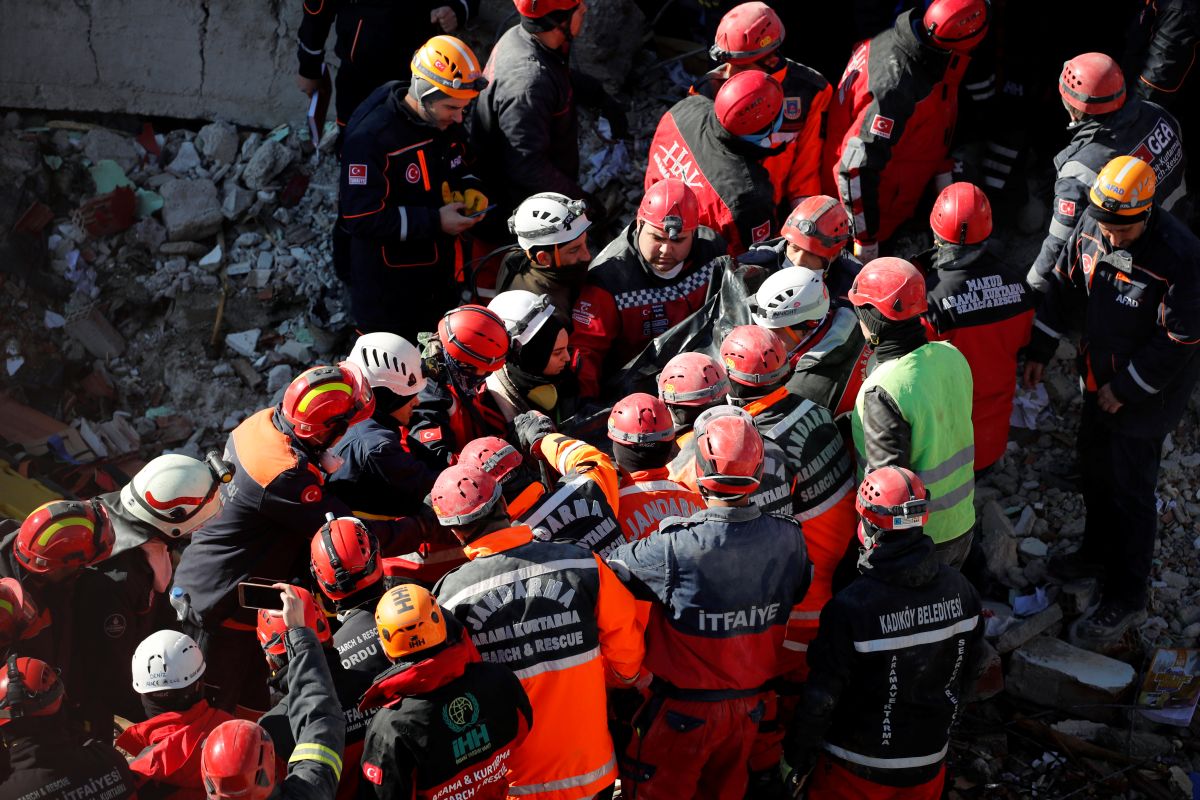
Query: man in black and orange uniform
x=892 y=118
x=721 y=584
x=749 y=37
x=281 y=461
x=406 y=192
x=445 y=717
x=374 y=42
x=982 y=306
x=717 y=147
x=557 y=617
x=652 y=276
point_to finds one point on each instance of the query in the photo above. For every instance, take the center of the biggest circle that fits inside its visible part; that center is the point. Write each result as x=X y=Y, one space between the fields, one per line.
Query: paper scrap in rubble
x=1029 y=604
x=13 y=364
x=108 y=175
x=53 y=320
x=1030 y=407
x=607 y=163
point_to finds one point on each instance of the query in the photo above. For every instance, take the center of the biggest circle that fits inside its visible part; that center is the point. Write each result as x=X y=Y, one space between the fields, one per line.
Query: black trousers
x=1119 y=475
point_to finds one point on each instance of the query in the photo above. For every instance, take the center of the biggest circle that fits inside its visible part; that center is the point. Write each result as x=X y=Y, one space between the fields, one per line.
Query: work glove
x=531 y=428
x=866 y=251
x=449 y=196
x=474 y=200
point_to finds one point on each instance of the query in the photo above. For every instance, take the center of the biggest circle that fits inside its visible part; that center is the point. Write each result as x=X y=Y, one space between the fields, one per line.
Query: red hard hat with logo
x=754 y=356
x=892 y=499
x=272 y=629
x=18 y=613
x=692 y=379
x=322 y=402
x=748 y=103
x=463 y=494
x=474 y=336
x=493 y=455
x=1092 y=83
x=535 y=9
x=672 y=206
x=640 y=418
x=961 y=214
x=344 y=557
x=746 y=33
x=818 y=224
x=29 y=687
x=891 y=285
x=63 y=534
x=957 y=25
x=238 y=761
x=729 y=453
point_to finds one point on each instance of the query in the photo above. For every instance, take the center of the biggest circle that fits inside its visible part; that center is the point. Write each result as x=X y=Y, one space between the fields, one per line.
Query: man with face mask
x=717 y=147
x=537 y=376
x=652 y=276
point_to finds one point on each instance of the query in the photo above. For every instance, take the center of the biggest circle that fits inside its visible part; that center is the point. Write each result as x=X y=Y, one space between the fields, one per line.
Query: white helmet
x=547 y=219
x=166 y=660
x=389 y=362
x=175 y=493
x=790 y=296
x=524 y=313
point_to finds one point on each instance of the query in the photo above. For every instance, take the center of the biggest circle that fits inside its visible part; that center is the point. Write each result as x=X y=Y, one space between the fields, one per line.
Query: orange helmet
x=409 y=621
x=238 y=762
x=961 y=214
x=64 y=533
x=746 y=33
x=445 y=64
x=322 y=402
x=818 y=224
x=1092 y=83
x=1124 y=189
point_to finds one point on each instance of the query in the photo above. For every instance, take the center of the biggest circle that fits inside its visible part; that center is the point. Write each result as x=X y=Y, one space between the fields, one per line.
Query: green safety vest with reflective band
x=932 y=388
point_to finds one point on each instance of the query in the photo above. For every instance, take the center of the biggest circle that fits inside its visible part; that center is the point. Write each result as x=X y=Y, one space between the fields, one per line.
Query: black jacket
x=560 y=284
x=381 y=474
x=49 y=759
x=1162 y=49
x=895 y=649
x=357 y=645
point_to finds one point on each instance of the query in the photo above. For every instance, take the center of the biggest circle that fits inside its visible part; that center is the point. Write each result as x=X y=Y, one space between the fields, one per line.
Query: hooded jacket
x=166 y=749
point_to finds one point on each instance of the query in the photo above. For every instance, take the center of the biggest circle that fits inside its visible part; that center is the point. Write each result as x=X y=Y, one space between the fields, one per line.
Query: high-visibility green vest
x=932 y=389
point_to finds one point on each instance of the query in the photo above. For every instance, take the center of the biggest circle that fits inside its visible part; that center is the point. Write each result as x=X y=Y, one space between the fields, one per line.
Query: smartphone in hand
x=259 y=596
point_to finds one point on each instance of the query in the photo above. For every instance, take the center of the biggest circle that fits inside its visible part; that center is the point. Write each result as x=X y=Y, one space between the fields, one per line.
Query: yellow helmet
x=445 y=64
x=409 y=620
x=1124 y=188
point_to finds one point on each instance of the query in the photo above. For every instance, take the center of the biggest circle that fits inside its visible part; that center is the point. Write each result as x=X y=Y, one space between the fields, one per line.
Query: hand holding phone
x=263 y=596
x=480 y=212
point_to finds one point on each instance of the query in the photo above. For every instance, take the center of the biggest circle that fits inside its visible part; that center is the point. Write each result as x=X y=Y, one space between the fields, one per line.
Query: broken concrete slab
x=237 y=201
x=243 y=342
x=997 y=541
x=1033 y=548
x=1027 y=629
x=185 y=249
x=186 y=160
x=279 y=376
x=246 y=371
x=218 y=142
x=268 y=160
x=1051 y=672
x=191 y=210
x=89 y=327
x=100 y=144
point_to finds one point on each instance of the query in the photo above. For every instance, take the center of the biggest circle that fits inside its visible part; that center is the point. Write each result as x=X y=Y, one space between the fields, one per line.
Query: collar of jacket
x=909 y=559
x=396 y=102
x=499 y=541
x=761 y=404
x=645 y=475
x=563 y=57
x=924 y=54
x=728 y=513
x=631 y=241
x=957 y=256
x=413 y=679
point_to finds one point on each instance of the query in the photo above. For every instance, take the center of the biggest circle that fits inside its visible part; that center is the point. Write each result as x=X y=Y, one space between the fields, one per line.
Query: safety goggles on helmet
x=808 y=226
x=531 y=322
x=575 y=210
x=176 y=515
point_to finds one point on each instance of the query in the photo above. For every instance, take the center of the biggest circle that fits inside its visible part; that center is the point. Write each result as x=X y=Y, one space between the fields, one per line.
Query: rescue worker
x=981 y=304
x=552 y=254
x=721 y=583
x=282 y=460
x=20 y=617
x=380 y=472
x=1130 y=273
x=652 y=276
x=373 y=43
x=167 y=671
x=526 y=124
x=1161 y=52
x=407 y=193
x=643 y=436
x=1104 y=124
x=537 y=374
x=564 y=633
x=443 y=717
x=814 y=236
x=748 y=38
x=892 y=117
x=914 y=408
x=47 y=756
x=471 y=343
x=907 y=621
x=239 y=758
x=718 y=148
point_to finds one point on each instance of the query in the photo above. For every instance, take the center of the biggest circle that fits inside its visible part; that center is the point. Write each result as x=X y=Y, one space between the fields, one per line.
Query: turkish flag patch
x=372 y=773
x=883 y=126
x=358 y=174
x=412 y=174
x=1066 y=208
x=311 y=494
x=430 y=435
x=760 y=233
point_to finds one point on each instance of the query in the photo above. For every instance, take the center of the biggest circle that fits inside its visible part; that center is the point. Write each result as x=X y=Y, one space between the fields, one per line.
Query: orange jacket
x=647 y=496
x=558 y=617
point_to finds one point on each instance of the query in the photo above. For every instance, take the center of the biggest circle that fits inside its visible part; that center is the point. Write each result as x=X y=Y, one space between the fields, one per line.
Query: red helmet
x=18 y=612
x=474 y=336
x=640 y=418
x=64 y=533
x=892 y=499
x=746 y=33
x=535 y=9
x=729 y=452
x=1092 y=83
x=754 y=356
x=692 y=379
x=463 y=494
x=272 y=628
x=957 y=25
x=238 y=762
x=962 y=214
x=670 y=204
x=748 y=103
x=29 y=687
x=820 y=225
x=893 y=286
x=493 y=455
x=322 y=402
x=344 y=557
